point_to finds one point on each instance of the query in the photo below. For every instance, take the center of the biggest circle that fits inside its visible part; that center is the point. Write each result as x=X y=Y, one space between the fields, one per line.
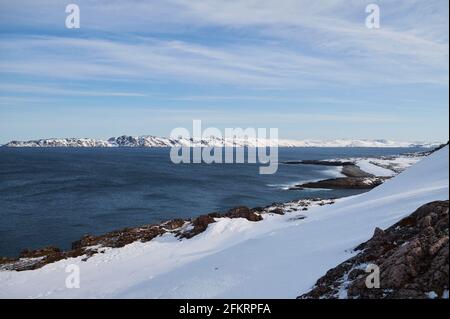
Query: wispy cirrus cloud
x=286 y=43
x=242 y=65
x=55 y=90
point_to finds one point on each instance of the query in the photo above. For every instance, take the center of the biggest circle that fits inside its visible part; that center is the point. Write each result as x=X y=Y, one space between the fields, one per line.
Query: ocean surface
x=53 y=196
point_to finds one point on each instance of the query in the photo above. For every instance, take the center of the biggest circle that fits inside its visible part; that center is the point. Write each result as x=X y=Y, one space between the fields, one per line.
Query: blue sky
x=310 y=68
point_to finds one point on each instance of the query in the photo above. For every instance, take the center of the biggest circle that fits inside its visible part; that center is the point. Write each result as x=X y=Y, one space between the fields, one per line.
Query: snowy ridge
x=281 y=256
x=385 y=166
x=153 y=141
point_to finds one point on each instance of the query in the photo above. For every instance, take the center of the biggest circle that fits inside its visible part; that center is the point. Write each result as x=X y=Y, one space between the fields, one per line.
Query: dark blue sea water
x=54 y=196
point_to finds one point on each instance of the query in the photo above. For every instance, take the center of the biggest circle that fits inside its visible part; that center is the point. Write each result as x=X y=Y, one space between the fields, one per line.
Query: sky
x=312 y=69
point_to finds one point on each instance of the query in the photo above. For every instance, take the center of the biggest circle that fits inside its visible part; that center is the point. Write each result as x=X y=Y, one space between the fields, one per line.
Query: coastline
x=89 y=245
x=356 y=176
x=280 y=256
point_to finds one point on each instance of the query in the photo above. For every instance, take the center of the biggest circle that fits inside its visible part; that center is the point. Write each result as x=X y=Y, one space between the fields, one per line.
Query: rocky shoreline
x=90 y=245
x=344 y=183
x=355 y=177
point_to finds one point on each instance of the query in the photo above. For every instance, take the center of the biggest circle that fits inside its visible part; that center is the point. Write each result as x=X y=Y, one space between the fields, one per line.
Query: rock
x=438 y=245
x=7 y=260
x=277 y=211
x=174 y=224
x=407 y=222
x=86 y=240
x=258 y=209
x=356 y=273
x=199 y=225
x=426 y=222
x=352 y=170
x=344 y=183
x=243 y=212
x=26 y=253
x=412 y=256
x=318 y=162
x=378 y=233
x=203 y=221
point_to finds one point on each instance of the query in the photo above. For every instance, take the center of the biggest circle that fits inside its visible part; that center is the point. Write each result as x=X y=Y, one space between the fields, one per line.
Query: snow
x=398 y=163
x=385 y=166
x=368 y=166
x=445 y=294
x=331 y=172
x=345 y=282
x=153 y=141
x=431 y=295
x=279 y=257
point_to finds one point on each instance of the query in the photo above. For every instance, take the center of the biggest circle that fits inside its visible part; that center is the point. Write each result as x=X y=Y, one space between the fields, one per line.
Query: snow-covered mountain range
x=153 y=141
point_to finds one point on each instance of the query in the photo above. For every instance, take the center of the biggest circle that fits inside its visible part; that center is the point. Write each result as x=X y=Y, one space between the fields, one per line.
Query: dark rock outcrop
x=121 y=238
x=243 y=212
x=344 y=183
x=354 y=171
x=318 y=162
x=355 y=177
x=200 y=223
x=349 y=169
x=26 y=253
x=412 y=257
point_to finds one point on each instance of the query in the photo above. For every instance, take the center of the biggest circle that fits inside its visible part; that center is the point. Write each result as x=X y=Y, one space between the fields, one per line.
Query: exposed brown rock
x=277 y=210
x=243 y=212
x=173 y=224
x=6 y=260
x=258 y=209
x=26 y=253
x=200 y=223
x=412 y=256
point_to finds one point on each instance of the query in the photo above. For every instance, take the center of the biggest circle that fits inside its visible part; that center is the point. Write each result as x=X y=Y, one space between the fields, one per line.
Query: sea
x=54 y=196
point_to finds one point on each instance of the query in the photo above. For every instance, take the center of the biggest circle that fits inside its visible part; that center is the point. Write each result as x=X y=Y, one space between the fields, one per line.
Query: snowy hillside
x=279 y=257
x=153 y=141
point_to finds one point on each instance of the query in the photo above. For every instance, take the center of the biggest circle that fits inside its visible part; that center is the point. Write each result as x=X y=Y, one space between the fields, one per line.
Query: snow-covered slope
x=153 y=141
x=387 y=166
x=279 y=257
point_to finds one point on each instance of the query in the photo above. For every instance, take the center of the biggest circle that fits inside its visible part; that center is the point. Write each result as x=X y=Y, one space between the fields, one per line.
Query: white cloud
x=54 y=90
x=286 y=44
x=253 y=65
